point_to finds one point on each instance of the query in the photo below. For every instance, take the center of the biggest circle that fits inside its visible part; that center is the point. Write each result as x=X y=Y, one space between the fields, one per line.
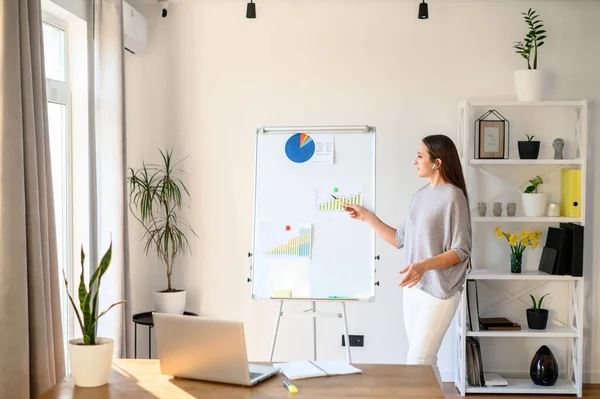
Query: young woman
x=436 y=237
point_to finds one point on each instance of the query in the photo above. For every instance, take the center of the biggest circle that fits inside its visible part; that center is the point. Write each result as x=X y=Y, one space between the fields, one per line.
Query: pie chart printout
x=300 y=148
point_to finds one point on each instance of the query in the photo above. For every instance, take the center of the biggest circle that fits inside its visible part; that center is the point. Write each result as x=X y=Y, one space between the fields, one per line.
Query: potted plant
x=155 y=201
x=537 y=318
x=534 y=203
x=529 y=149
x=90 y=357
x=530 y=83
x=518 y=244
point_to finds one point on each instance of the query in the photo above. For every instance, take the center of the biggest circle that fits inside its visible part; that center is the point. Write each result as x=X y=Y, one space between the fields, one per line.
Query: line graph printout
x=281 y=240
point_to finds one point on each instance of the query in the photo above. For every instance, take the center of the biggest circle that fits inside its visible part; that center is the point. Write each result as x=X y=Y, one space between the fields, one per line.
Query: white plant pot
x=169 y=302
x=531 y=84
x=534 y=204
x=91 y=364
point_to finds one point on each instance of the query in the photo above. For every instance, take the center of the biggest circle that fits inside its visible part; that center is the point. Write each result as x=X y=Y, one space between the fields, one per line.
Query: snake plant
x=537 y=306
x=88 y=298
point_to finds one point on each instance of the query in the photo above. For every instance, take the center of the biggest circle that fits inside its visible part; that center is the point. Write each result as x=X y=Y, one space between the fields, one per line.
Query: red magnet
x=287 y=228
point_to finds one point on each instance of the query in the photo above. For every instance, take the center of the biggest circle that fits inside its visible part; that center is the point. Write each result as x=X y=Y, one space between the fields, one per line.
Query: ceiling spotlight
x=251 y=10
x=423 y=11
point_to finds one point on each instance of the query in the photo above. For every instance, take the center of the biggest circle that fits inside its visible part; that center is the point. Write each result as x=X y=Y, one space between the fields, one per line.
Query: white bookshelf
x=574 y=161
x=549 y=332
x=522 y=385
x=524 y=219
x=571 y=333
x=486 y=274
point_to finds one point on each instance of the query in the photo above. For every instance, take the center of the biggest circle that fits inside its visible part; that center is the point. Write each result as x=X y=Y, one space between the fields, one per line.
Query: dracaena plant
x=528 y=47
x=87 y=313
x=155 y=200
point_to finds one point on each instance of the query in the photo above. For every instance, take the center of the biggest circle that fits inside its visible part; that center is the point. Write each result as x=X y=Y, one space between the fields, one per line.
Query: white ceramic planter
x=534 y=204
x=531 y=84
x=169 y=302
x=91 y=364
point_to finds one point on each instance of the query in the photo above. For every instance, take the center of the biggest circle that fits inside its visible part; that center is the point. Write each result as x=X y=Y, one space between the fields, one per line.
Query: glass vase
x=515 y=263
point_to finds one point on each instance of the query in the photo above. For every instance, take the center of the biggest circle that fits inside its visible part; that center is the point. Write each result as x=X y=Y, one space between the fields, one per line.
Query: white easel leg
x=277 y=318
x=314 y=310
x=346 y=332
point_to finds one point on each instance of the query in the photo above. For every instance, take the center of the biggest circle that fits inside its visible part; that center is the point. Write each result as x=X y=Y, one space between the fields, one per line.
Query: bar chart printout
x=325 y=202
x=280 y=240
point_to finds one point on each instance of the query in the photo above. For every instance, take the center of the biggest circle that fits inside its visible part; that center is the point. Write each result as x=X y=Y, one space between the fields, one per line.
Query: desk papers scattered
x=322 y=368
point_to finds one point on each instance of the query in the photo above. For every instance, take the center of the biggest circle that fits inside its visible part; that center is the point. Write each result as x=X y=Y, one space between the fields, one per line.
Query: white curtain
x=31 y=341
x=108 y=166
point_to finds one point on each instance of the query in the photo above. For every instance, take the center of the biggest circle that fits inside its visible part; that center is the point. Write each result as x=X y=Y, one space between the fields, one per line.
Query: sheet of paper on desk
x=322 y=368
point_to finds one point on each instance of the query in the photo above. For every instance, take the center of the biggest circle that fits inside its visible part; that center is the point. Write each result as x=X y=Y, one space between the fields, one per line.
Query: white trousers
x=426 y=319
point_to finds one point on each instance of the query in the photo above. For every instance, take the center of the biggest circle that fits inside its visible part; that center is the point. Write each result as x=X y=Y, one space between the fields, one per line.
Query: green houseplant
x=155 y=200
x=90 y=356
x=537 y=318
x=530 y=83
x=534 y=203
x=529 y=149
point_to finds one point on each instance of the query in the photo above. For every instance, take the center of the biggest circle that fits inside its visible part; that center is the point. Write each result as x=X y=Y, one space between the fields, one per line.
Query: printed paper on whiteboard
x=286 y=240
x=323 y=149
x=331 y=208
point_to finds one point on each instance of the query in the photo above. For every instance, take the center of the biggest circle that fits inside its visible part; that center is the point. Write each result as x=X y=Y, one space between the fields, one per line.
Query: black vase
x=544 y=369
x=537 y=319
x=529 y=149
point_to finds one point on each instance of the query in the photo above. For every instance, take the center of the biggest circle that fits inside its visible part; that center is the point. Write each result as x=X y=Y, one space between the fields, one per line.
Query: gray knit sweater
x=438 y=221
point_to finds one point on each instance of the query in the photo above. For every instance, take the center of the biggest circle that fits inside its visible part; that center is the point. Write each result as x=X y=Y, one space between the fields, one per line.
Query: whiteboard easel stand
x=314 y=314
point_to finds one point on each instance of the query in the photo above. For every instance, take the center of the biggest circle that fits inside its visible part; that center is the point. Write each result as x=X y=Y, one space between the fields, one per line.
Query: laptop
x=206 y=349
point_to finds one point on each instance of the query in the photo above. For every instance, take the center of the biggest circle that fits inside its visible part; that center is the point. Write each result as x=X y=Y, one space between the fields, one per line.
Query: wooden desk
x=137 y=378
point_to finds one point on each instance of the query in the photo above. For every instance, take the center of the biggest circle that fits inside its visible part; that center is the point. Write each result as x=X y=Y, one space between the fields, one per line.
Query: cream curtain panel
x=31 y=343
x=109 y=170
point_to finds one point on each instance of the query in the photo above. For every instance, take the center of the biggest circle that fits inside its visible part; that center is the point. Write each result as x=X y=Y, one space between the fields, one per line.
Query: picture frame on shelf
x=491 y=136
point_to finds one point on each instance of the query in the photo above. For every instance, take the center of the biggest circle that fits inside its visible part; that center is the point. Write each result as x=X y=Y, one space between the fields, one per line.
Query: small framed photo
x=491 y=139
x=491 y=136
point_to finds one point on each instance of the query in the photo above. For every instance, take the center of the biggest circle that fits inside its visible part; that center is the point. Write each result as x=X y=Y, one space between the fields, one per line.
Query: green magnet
x=335 y=189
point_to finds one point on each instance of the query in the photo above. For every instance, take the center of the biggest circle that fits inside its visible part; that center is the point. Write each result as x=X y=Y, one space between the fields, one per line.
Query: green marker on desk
x=337 y=297
x=291 y=387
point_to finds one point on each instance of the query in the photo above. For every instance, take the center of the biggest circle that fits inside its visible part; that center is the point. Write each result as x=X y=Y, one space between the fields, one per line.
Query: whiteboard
x=304 y=245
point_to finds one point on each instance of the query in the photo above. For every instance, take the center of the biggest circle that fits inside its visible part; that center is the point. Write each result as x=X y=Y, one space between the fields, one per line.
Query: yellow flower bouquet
x=518 y=244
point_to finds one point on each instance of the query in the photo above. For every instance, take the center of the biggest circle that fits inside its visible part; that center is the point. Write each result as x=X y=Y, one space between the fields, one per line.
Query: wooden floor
x=590 y=391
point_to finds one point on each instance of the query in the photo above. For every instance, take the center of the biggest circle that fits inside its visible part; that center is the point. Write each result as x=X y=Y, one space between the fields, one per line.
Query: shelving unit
x=570 y=332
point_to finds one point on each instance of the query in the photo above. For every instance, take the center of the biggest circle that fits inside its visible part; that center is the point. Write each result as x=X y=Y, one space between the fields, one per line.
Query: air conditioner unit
x=135 y=29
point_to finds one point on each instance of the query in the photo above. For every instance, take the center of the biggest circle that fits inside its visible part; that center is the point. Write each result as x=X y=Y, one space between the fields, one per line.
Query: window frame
x=60 y=93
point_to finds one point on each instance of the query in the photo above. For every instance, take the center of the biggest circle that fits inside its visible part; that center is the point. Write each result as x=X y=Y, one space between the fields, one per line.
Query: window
x=55 y=34
x=65 y=37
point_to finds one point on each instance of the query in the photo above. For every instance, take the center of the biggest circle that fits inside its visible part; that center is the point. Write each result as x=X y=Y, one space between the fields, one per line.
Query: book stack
x=497 y=323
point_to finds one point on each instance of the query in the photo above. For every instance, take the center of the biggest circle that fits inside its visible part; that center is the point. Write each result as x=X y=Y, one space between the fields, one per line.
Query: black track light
x=423 y=11
x=251 y=10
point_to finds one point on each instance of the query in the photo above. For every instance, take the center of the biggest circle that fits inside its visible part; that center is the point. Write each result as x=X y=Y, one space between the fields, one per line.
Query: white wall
x=210 y=77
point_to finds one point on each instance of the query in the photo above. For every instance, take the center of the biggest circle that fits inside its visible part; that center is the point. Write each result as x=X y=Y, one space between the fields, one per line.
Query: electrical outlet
x=355 y=340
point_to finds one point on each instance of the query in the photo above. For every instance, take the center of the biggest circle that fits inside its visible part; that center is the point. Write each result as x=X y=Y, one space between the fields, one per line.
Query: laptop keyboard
x=254 y=375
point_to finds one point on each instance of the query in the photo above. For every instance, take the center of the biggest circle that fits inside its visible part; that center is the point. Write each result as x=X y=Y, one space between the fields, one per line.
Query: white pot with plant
x=155 y=200
x=534 y=203
x=90 y=357
x=531 y=84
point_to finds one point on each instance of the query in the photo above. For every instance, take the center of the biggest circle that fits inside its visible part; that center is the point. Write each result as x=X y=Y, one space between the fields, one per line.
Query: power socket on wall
x=355 y=340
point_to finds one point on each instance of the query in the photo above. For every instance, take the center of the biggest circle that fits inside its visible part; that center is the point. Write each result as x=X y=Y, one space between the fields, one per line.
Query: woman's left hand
x=414 y=272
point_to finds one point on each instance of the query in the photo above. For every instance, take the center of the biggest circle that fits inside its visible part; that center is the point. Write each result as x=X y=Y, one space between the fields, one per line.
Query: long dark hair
x=442 y=147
